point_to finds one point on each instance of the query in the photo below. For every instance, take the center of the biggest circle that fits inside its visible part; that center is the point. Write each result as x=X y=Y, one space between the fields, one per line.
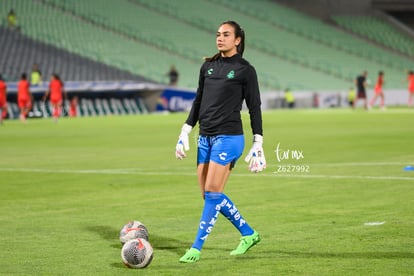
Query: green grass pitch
x=334 y=200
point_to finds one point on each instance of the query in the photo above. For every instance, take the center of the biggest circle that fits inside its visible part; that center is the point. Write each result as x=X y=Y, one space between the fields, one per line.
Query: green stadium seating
x=379 y=31
x=146 y=37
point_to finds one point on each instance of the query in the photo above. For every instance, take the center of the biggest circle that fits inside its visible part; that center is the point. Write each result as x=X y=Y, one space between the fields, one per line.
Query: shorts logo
x=223 y=156
x=231 y=74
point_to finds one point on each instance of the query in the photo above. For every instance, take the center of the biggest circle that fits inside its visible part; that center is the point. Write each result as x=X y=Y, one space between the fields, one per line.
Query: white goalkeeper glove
x=256 y=157
x=183 y=144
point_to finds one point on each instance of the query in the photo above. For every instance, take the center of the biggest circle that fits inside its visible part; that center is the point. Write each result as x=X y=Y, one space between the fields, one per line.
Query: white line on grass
x=141 y=172
x=357 y=164
x=346 y=176
x=374 y=223
x=351 y=164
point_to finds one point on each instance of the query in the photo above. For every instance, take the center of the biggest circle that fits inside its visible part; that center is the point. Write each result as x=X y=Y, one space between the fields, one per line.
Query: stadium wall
x=125 y=98
x=175 y=100
x=328 y=99
x=92 y=98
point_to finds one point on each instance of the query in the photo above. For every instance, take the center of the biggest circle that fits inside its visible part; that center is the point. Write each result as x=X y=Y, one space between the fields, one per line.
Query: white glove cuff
x=258 y=138
x=186 y=128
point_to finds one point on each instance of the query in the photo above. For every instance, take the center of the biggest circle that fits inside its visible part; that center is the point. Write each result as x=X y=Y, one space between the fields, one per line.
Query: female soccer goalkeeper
x=225 y=81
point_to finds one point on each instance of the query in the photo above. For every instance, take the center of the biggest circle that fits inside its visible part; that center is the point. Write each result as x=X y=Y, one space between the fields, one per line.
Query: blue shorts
x=222 y=149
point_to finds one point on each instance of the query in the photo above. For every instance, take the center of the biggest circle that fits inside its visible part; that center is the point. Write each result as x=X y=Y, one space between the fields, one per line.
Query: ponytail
x=215 y=57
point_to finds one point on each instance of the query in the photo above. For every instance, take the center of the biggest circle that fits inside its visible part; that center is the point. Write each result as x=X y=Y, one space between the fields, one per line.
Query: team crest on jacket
x=230 y=75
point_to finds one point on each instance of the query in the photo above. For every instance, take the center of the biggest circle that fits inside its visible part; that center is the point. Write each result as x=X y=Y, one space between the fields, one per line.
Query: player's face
x=226 y=40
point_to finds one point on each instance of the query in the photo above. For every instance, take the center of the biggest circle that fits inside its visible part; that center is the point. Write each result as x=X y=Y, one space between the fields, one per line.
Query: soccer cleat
x=191 y=256
x=245 y=243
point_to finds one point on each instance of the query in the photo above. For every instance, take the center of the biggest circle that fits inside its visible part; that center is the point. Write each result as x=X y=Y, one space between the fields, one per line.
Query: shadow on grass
x=119 y=265
x=158 y=242
x=169 y=244
x=107 y=233
x=350 y=255
x=111 y=234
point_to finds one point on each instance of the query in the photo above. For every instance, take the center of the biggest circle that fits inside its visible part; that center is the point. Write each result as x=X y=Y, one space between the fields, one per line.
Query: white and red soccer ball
x=137 y=253
x=133 y=230
x=136 y=250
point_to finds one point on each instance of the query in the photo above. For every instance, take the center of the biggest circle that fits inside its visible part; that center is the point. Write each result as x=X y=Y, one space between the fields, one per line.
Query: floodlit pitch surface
x=334 y=200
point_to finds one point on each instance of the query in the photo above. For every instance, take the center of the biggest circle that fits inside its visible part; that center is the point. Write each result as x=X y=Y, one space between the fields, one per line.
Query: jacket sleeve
x=253 y=102
x=193 y=116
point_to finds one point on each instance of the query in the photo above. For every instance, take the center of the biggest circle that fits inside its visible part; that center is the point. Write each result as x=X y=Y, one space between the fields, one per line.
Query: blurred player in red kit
x=73 y=106
x=24 y=97
x=57 y=94
x=3 y=99
x=378 y=91
x=410 y=79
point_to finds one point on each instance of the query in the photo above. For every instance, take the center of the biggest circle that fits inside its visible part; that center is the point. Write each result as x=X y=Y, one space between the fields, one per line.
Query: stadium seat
x=145 y=37
x=377 y=30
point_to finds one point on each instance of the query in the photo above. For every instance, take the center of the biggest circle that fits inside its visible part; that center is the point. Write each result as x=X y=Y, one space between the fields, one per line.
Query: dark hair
x=56 y=76
x=24 y=76
x=239 y=32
